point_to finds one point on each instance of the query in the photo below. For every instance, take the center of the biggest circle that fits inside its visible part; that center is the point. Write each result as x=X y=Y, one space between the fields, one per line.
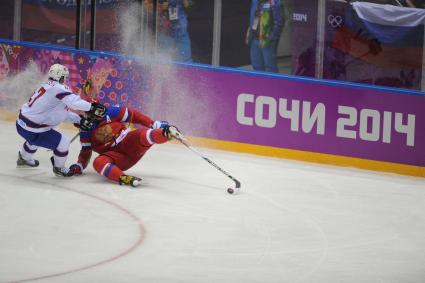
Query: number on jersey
x=39 y=93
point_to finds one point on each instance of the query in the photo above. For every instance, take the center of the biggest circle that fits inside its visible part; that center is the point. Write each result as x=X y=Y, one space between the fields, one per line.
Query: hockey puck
x=230 y=191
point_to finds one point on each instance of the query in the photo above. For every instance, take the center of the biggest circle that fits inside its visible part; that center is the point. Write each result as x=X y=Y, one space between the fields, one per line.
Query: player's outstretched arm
x=171 y=132
x=83 y=160
x=136 y=117
x=86 y=149
x=74 y=101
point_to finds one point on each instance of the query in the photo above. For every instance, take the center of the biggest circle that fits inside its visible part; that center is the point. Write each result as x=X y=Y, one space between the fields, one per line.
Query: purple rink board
x=226 y=104
x=301 y=114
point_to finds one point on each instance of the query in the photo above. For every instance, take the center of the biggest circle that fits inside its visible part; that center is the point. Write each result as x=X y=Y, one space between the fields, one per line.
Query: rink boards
x=275 y=115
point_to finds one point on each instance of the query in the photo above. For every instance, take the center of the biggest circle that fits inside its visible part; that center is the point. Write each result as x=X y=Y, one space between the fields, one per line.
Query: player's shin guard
x=104 y=166
x=61 y=152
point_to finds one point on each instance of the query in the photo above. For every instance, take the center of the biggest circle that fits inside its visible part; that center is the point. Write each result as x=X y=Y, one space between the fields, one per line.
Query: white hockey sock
x=27 y=151
x=61 y=152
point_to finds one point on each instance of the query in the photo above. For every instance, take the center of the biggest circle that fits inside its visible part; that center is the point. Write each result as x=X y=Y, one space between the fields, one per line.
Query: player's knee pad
x=104 y=166
x=100 y=162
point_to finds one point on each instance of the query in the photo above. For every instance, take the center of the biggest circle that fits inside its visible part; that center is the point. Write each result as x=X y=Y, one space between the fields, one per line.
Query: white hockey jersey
x=49 y=106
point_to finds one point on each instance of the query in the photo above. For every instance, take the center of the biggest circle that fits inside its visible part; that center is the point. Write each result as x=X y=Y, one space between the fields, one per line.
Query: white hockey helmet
x=57 y=71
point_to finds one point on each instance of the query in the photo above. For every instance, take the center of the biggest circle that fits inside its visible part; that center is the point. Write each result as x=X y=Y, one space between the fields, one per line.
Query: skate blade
x=26 y=166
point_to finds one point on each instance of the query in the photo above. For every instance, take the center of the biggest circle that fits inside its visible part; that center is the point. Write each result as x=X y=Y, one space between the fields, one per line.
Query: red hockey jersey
x=110 y=131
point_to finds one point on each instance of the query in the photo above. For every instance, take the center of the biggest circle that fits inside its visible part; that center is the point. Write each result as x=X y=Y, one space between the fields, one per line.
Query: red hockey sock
x=104 y=165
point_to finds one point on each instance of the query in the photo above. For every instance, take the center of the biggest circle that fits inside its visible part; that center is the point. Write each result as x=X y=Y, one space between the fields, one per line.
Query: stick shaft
x=76 y=136
x=238 y=184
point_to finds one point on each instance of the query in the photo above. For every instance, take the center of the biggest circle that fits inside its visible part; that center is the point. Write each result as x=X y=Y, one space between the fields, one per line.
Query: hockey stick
x=76 y=136
x=229 y=190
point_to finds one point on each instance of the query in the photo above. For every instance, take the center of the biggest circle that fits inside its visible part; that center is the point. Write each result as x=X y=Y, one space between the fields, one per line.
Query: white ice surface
x=292 y=222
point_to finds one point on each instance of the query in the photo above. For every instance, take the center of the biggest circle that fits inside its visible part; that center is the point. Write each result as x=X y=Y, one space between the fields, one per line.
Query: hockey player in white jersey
x=48 y=107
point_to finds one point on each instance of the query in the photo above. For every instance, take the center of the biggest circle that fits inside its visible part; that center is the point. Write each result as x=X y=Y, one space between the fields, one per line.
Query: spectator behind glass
x=172 y=35
x=415 y=3
x=407 y=3
x=265 y=26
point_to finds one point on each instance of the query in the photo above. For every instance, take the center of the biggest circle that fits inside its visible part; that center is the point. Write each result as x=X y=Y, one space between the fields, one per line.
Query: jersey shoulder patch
x=114 y=112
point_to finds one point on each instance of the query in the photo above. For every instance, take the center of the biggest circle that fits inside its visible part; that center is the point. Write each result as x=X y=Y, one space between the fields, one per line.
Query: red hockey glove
x=76 y=168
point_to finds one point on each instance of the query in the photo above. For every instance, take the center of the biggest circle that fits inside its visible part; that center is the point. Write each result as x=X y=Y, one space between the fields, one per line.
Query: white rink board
x=293 y=221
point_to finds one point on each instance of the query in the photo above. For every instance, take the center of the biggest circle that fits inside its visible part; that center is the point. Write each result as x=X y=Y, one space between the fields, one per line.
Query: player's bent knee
x=100 y=162
x=104 y=165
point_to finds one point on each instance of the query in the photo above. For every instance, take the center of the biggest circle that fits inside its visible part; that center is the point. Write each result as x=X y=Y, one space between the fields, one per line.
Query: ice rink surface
x=292 y=222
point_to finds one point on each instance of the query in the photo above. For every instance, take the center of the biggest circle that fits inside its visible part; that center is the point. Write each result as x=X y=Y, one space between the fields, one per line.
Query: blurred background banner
x=48 y=15
x=53 y=15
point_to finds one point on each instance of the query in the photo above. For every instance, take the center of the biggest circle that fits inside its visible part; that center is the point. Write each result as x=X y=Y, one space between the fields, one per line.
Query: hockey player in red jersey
x=120 y=147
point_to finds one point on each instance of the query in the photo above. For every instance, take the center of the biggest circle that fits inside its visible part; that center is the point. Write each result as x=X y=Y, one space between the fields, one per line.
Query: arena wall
x=343 y=124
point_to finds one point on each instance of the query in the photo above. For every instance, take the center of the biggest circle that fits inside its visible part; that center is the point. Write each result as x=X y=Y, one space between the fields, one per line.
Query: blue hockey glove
x=86 y=124
x=159 y=124
x=97 y=111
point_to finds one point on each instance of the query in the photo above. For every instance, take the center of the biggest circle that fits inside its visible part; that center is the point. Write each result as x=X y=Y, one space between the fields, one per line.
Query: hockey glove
x=97 y=111
x=159 y=124
x=86 y=124
x=171 y=132
x=76 y=168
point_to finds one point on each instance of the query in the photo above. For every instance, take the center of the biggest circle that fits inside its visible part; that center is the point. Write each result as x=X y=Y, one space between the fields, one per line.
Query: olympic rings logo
x=335 y=21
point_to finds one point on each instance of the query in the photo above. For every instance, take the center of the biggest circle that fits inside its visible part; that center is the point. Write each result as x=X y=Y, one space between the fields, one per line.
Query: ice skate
x=61 y=171
x=26 y=163
x=129 y=180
